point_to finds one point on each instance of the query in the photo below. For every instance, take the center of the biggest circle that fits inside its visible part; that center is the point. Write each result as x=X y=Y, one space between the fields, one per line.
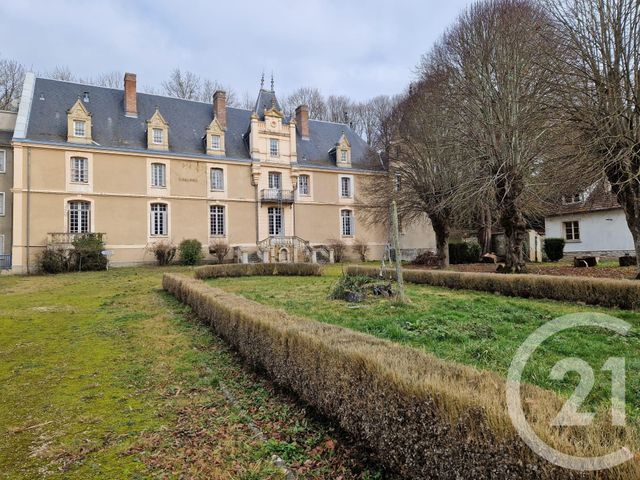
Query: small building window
x=3 y=161
x=303 y=185
x=79 y=128
x=345 y=187
x=79 y=217
x=346 y=217
x=275 y=180
x=217 y=180
x=79 y=170
x=274 y=147
x=343 y=155
x=216 y=217
x=215 y=142
x=158 y=175
x=157 y=136
x=159 y=219
x=571 y=230
x=2 y=204
x=569 y=199
x=276 y=224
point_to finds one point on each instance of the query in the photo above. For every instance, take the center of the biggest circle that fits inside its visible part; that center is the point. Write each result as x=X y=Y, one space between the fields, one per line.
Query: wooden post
x=396 y=245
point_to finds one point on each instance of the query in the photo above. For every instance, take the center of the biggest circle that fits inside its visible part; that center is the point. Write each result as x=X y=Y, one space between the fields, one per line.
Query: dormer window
x=274 y=147
x=570 y=199
x=157 y=136
x=157 y=132
x=342 y=152
x=343 y=155
x=215 y=142
x=214 y=138
x=79 y=128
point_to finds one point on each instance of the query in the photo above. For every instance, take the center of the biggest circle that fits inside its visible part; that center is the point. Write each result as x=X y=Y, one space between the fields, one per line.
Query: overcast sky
x=360 y=49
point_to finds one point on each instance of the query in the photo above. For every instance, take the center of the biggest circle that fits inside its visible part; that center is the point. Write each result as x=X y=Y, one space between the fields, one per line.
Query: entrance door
x=276 y=221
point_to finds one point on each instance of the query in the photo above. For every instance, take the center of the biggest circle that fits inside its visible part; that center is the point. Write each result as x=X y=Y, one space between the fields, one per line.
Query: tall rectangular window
x=276 y=224
x=216 y=217
x=79 y=217
x=157 y=136
x=215 y=142
x=159 y=219
x=1 y=244
x=158 y=175
x=345 y=187
x=571 y=230
x=79 y=170
x=217 y=179
x=275 y=180
x=347 y=223
x=303 y=185
x=3 y=161
x=2 y=203
x=274 y=147
x=79 y=128
x=343 y=155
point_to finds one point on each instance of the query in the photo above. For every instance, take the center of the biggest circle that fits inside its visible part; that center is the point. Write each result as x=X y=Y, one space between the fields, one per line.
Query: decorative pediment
x=273 y=112
x=343 y=151
x=79 y=123
x=157 y=132
x=214 y=138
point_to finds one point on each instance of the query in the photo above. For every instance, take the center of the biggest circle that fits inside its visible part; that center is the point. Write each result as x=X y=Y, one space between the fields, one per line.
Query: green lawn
x=104 y=376
x=474 y=328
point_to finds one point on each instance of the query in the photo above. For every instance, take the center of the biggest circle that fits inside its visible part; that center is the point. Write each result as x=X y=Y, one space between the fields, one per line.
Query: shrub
x=257 y=269
x=606 y=292
x=464 y=252
x=339 y=249
x=87 y=253
x=219 y=249
x=429 y=259
x=350 y=288
x=190 y=252
x=554 y=248
x=361 y=248
x=403 y=403
x=164 y=252
x=54 y=261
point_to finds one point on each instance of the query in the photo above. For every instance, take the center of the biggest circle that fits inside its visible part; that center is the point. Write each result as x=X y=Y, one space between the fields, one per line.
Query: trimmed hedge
x=464 y=252
x=554 y=248
x=605 y=292
x=258 y=269
x=424 y=417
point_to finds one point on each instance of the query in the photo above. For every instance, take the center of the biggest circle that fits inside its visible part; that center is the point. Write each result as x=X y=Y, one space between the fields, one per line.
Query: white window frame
x=158 y=175
x=349 y=179
x=273 y=175
x=273 y=213
x=343 y=155
x=274 y=147
x=307 y=184
x=159 y=139
x=215 y=141
x=215 y=186
x=347 y=223
x=153 y=223
x=3 y=204
x=2 y=240
x=80 y=132
x=3 y=161
x=83 y=225
x=79 y=170
x=217 y=219
x=574 y=226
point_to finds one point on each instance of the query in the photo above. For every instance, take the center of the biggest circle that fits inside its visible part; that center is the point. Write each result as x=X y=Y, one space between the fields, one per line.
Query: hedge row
x=257 y=269
x=592 y=291
x=424 y=417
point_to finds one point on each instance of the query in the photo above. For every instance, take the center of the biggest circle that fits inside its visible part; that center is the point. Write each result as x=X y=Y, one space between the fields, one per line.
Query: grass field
x=104 y=376
x=473 y=328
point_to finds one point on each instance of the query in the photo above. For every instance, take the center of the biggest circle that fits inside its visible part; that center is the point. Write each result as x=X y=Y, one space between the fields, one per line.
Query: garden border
x=257 y=269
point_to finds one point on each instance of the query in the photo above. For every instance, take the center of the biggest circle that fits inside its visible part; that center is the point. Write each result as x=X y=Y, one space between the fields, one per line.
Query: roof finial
x=262 y=80
x=272 y=82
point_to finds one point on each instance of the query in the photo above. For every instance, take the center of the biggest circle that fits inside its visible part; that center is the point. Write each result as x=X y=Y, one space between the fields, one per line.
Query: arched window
x=79 y=216
x=159 y=219
x=347 y=223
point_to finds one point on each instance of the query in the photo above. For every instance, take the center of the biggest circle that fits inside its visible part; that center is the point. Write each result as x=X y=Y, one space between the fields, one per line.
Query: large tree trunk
x=441 y=229
x=485 y=221
x=515 y=230
x=628 y=197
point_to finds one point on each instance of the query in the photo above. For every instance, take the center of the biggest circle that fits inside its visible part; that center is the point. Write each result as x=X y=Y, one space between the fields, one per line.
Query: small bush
x=464 y=252
x=554 y=248
x=361 y=248
x=429 y=259
x=54 y=261
x=339 y=249
x=257 y=269
x=220 y=249
x=164 y=252
x=350 y=288
x=190 y=252
x=87 y=253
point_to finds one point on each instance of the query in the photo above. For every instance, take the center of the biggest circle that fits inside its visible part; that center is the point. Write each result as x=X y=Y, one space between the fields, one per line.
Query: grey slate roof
x=187 y=123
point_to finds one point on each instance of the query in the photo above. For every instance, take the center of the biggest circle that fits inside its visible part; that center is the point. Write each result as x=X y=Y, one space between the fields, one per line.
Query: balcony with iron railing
x=276 y=195
x=65 y=240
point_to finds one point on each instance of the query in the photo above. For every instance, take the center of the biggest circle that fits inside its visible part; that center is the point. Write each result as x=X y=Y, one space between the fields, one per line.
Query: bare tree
x=310 y=97
x=339 y=109
x=62 y=72
x=503 y=83
x=11 y=80
x=181 y=84
x=209 y=87
x=112 y=79
x=601 y=93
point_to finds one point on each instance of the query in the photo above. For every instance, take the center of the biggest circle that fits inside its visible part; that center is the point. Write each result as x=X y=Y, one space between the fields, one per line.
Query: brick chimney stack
x=130 y=96
x=302 y=121
x=220 y=107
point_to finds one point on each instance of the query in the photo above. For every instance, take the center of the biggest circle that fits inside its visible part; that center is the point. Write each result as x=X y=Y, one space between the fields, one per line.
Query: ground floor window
x=216 y=216
x=572 y=230
x=276 y=224
x=79 y=217
x=346 y=217
x=159 y=219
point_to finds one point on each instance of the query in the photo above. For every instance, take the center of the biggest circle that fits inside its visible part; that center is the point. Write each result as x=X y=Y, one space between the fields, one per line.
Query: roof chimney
x=220 y=107
x=302 y=121
x=130 y=97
